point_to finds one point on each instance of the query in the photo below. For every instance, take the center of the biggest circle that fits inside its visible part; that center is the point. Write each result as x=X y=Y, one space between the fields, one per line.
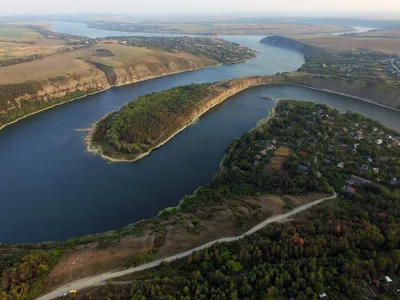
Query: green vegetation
x=340 y=248
x=104 y=52
x=23 y=273
x=215 y=49
x=139 y=125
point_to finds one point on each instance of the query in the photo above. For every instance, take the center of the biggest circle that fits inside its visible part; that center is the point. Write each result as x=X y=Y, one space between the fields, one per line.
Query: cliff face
x=223 y=90
x=144 y=71
x=380 y=93
x=20 y=100
x=284 y=42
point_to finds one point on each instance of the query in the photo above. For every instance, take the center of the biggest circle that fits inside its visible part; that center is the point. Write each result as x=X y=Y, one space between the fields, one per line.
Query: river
x=51 y=189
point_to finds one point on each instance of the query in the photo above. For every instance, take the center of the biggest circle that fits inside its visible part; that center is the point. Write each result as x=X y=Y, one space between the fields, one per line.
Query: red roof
x=302 y=152
x=351 y=189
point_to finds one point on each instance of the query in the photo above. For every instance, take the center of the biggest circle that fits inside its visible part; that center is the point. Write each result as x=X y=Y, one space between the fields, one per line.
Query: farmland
x=217 y=27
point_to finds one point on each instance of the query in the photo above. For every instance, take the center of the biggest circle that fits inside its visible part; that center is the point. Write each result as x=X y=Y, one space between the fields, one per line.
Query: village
x=216 y=49
x=346 y=148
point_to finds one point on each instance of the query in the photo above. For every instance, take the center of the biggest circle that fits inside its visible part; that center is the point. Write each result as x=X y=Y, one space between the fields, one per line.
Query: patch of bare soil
x=182 y=231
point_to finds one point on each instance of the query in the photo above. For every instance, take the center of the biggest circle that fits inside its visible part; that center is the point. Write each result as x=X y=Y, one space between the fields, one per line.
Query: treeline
x=138 y=126
x=338 y=248
x=23 y=273
x=281 y=41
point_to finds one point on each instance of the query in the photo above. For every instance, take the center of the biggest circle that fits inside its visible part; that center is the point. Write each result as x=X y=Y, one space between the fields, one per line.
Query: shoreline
x=342 y=94
x=97 y=150
x=106 y=89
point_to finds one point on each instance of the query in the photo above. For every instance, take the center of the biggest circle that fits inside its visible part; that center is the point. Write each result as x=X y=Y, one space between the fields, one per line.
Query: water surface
x=51 y=189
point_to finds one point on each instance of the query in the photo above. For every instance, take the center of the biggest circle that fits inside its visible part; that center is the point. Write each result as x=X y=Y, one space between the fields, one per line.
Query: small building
x=379 y=141
x=256 y=162
x=388 y=279
x=376 y=170
x=258 y=157
x=394 y=180
x=350 y=190
x=340 y=165
x=323 y=295
x=263 y=152
x=303 y=153
x=269 y=147
x=369 y=159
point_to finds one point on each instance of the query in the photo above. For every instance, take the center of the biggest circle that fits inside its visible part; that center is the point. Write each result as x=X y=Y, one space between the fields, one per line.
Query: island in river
x=301 y=154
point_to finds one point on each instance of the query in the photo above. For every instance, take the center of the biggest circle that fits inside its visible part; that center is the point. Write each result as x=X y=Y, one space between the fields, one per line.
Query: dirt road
x=99 y=279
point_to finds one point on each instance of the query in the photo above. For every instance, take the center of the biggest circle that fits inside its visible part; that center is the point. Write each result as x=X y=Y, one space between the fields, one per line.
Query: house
x=350 y=190
x=274 y=141
x=345 y=130
x=303 y=153
x=369 y=159
x=358 y=180
x=375 y=281
x=258 y=157
x=388 y=136
x=263 y=152
x=388 y=280
x=256 y=162
x=376 y=170
x=340 y=165
x=379 y=141
x=269 y=147
x=323 y=295
x=394 y=180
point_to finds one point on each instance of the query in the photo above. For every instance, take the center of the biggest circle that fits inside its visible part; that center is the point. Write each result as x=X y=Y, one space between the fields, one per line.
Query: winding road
x=100 y=279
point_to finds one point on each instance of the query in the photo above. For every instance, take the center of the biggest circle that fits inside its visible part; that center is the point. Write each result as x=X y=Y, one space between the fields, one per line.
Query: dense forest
x=138 y=126
x=343 y=248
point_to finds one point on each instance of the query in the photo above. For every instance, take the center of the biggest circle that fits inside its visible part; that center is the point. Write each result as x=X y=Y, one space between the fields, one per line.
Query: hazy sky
x=290 y=7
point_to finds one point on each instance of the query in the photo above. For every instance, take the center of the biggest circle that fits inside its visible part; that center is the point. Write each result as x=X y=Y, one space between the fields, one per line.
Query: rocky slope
x=378 y=92
x=19 y=100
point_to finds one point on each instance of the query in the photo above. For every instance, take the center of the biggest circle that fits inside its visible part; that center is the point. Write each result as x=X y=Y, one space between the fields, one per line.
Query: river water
x=51 y=189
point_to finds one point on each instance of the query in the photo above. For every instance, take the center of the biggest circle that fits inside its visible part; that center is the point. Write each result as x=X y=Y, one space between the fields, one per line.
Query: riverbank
x=97 y=149
x=105 y=89
x=344 y=94
x=187 y=118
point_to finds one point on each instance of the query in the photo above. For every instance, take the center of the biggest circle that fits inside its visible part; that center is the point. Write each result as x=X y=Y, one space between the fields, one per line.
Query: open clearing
x=387 y=45
x=16 y=42
x=278 y=159
x=77 y=62
x=14 y=33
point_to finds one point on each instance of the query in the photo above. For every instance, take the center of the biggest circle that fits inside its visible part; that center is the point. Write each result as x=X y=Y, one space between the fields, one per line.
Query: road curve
x=99 y=279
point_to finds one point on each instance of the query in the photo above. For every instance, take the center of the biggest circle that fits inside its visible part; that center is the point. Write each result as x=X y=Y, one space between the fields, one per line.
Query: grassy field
x=76 y=62
x=385 y=33
x=14 y=33
x=16 y=42
x=387 y=45
x=228 y=28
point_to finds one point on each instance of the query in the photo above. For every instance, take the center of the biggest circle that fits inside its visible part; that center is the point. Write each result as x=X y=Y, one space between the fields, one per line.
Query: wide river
x=51 y=189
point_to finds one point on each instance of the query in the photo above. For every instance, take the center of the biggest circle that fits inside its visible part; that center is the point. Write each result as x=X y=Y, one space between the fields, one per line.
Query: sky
x=197 y=7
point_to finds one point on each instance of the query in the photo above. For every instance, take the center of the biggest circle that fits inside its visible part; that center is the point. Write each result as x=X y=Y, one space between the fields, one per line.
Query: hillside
x=298 y=156
x=149 y=121
x=37 y=84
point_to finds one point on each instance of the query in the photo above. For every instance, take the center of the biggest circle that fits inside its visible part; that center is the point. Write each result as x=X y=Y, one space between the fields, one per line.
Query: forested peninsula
x=151 y=120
